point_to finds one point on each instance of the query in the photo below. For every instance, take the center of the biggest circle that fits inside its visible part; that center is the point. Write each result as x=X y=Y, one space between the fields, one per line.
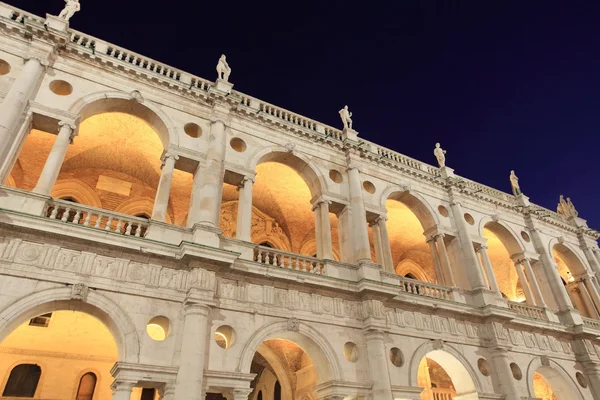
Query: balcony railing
x=73 y=213
x=442 y=394
x=282 y=259
x=527 y=310
x=591 y=323
x=425 y=289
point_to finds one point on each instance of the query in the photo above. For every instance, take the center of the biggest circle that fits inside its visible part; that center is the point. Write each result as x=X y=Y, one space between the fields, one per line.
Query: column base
x=223 y=86
x=481 y=297
x=56 y=23
x=206 y=235
x=367 y=269
x=569 y=317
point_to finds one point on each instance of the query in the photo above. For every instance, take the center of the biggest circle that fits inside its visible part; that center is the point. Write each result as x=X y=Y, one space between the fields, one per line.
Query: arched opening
x=570 y=268
x=23 y=381
x=64 y=347
x=549 y=384
x=116 y=155
x=283 y=371
x=408 y=218
x=501 y=246
x=443 y=376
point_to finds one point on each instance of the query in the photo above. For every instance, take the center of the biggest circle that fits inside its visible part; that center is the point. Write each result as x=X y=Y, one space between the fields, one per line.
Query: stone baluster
x=446 y=266
x=533 y=283
x=439 y=272
x=323 y=230
x=122 y=389
x=358 y=229
x=524 y=283
x=244 y=216
x=190 y=376
x=489 y=270
x=55 y=159
x=161 y=201
x=378 y=365
x=22 y=90
x=207 y=189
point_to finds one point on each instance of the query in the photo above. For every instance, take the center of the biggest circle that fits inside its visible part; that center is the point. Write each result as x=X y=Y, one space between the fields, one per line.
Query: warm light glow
x=219 y=337
x=503 y=267
x=541 y=388
x=156 y=332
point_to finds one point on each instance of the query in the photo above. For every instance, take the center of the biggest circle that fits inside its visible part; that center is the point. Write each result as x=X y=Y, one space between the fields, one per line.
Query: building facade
x=165 y=236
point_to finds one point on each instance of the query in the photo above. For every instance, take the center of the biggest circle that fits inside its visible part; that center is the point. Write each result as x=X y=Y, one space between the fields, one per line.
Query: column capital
x=319 y=202
x=193 y=308
x=215 y=120
x=169 y=154
x=120 y=385
x=68 y=123
x=44 y=61
x=482 y=247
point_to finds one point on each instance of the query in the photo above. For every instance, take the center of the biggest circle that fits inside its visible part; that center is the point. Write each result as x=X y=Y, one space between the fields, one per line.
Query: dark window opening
x=277 y=391
x=148 y=394
x=41 y=320
x=23 y=381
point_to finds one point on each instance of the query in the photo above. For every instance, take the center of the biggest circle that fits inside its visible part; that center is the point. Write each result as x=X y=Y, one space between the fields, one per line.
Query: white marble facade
x=126 y=270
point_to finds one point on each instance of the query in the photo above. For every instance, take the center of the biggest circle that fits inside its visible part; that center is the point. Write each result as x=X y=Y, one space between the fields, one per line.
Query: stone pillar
x=161 y=201
x=447 y=268
x=591 y=288
x=244 y=215
x=502 y=373
x=189 y=383
x=323 y=230
x=533 y=284
x=122 y=389
x=596 y=254
x=386 y=249
x=358 y=229
x=592 y=373
x=378 y=365
x=587 y=299
x=436 y=261
x=525 y=284
x=377 y=243
x=207 y=190
x=55 y=159
x=15 y=102
x=489 y=270
x=472 y=266
x=344 y=236
x=554 y=281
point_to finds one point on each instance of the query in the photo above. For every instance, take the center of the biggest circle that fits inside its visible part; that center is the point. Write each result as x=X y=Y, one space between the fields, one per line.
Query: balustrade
x=77 y=214
x=201 y=84
x=82 y=40
x=335 y=133
x=527 y=310
x=282 y=259
x=143 y=62
x=442 y=394
x=591 y=323
x=288 y=116
x=425 y=289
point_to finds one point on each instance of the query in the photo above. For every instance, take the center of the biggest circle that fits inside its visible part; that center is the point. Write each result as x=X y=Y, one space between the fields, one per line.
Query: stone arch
x=275 y=362
x=574 y=262
x=309 y=248
x=303 y=165
x=306 y=337
x=97 y=305
x=557 y=378
x=140 y=205
x=463 y=375
x=10 y=181
x=505 y=234
x=78 y=190
x=415 y=202
x=410 y=267
x=108 y=101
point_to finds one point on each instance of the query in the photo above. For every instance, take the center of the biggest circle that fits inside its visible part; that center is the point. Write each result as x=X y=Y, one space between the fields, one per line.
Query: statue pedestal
x=223 y=86
x=56 y=23
x=522 y=200
x=350 y=134
x=447 y=172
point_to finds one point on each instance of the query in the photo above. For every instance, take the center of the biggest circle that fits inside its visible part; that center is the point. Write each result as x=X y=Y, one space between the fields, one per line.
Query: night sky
x=502 y=85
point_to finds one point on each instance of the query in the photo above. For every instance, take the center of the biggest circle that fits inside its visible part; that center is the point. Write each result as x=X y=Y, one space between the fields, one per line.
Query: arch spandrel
x=108 y=312
x=561 y=383
x=302 y=164
x=104 y=102
x=307 y=338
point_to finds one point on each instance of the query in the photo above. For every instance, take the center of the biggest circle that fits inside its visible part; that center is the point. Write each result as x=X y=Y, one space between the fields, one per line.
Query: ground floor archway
x=548 y=381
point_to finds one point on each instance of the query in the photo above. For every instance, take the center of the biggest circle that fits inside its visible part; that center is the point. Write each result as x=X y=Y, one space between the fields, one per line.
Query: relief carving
x=79 y=292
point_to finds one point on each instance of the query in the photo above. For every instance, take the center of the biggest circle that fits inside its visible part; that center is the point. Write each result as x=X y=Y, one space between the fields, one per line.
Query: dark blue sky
x=501 y=84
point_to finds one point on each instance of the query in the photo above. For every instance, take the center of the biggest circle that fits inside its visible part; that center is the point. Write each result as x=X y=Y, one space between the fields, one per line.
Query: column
x=473 y=268
x=207 y=190
x=378 y=245
x=55 y=159
x=587 y=300
x=323 y=230
x=502 y=373
x=596 y=254
x=378 y=365
x=122 y=389
x=446 y=267
x=161 y=201
x=489 y=270
x=556 y=286
x=244 y=216
x=344 y=237
x=358 y=229
x=528 y=294
x=189 y=383
x=15 y=102
x=592 y=373
x=591 y=288
x=385 y=244
x=533 y=284
x=436 y=261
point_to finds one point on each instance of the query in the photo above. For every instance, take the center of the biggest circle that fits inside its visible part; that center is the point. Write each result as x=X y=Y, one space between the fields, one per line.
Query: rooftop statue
x=71 y=7
x=514 y=182
x=566 y=209
x=571 y=208
x=440 y=154
x=346 y=115
x=223 y=69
